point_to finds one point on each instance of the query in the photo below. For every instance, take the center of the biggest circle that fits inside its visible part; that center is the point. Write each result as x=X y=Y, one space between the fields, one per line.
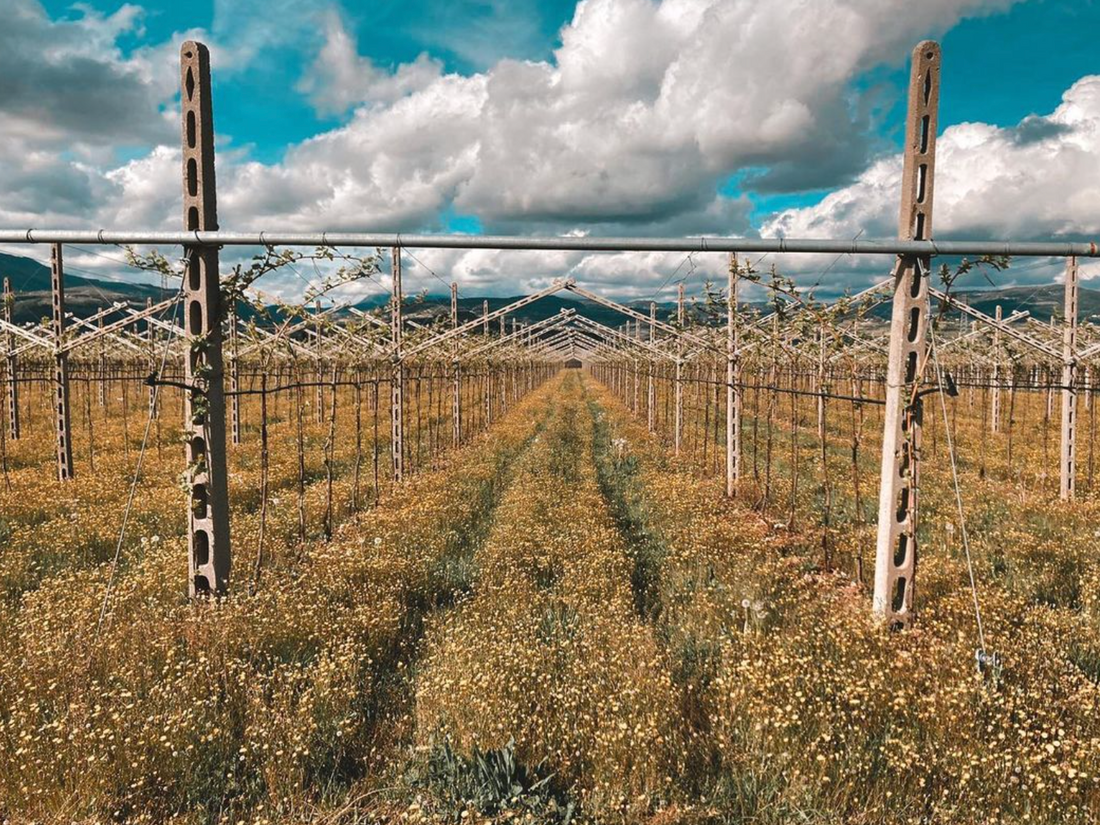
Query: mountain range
x=84 y=296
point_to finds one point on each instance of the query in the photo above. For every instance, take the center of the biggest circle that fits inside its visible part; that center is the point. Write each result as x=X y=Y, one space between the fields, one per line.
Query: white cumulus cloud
x=1030 y=181
x=340 y=77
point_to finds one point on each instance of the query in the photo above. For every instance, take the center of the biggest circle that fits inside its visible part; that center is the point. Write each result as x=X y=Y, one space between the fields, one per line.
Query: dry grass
x=655 y=652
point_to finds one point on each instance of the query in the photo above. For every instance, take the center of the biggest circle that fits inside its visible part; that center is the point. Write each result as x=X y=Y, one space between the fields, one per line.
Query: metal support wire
x=137 y=475
x=982 y=656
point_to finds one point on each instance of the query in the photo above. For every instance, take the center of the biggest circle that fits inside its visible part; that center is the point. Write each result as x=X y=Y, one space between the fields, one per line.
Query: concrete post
x=651 y=393
x=488 y=372
x=1067 y=473
x=678 y=421
x=733 y=380
x=995 y=406
x=12 y=364
x=319 y=367
x=102 y=368
x=154 y=364
x=60 y=367
x=234 y=379
x=821 y=388
x=204 y=403
x=397 y=382
x=637 y=366
x=456 y=408
x=896 y=549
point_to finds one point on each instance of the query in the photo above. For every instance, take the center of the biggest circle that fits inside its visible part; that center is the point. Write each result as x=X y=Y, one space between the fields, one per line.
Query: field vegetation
x=558 y=622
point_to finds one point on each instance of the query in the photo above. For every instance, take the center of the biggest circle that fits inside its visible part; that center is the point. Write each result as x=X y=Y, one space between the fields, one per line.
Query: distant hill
x=430 y=307
x=1042 y=302
x=85 y=296
x=30 y=281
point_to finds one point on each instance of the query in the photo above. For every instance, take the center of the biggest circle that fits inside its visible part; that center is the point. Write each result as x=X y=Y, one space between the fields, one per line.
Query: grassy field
x=558 y=623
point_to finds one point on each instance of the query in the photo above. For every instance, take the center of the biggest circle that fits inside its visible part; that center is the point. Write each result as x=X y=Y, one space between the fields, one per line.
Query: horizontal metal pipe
x=1057 y=249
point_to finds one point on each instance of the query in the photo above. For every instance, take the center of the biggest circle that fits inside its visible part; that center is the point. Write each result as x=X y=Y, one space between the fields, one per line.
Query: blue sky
x=616 y=117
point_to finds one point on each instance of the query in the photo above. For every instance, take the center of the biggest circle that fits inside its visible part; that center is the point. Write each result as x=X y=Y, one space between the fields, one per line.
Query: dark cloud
x=704 y=215
x=62 y=187
x=1034 y=129
x=63 y=81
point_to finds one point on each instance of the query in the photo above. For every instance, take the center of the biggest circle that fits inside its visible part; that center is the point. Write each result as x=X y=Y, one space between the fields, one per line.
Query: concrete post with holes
x=1068 y=455
x=12 y=365
x=102 y=368
x=456 y=403
x=733 y=390
x=204 y=402
x=651 y=392
x=488 y=372
x=62 y=428
x=1049 y=377
x=503 y=379
x=636 y=362
x=397 y=377
x=995 y=405
x=678 y=422
x=234 y=379
x=150 y=339
x=318 y=365
x=821 y=382
x=896 y=548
